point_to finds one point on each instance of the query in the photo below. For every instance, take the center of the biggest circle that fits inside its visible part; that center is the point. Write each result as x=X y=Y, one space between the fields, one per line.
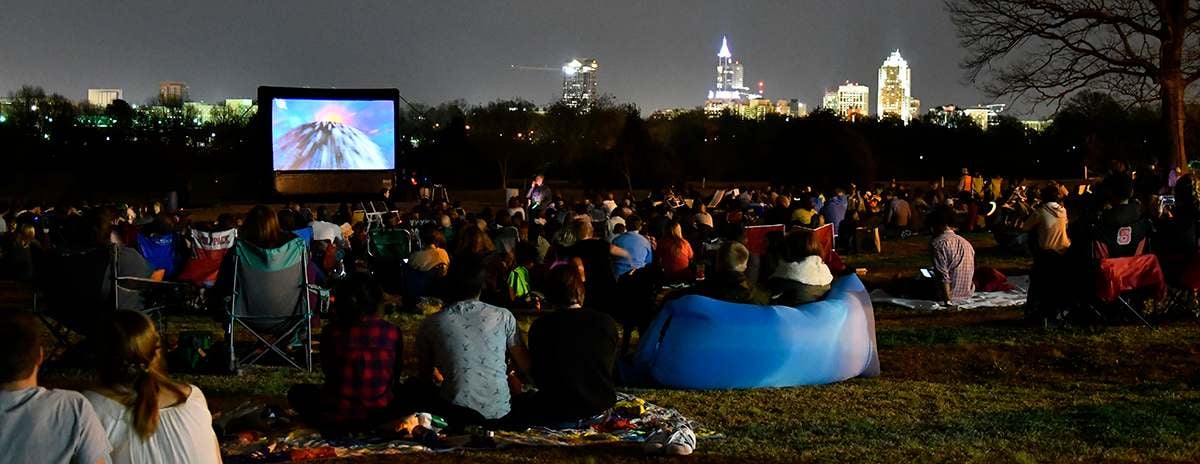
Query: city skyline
x=228 y=50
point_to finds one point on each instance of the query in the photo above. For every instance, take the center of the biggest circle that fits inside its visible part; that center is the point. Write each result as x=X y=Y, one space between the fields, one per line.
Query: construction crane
x=517 y=67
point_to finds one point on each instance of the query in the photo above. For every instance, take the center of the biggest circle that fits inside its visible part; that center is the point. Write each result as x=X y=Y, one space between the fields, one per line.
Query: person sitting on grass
x=597 y=256
x=38 y=424
x=462 y=371
x=675 y=253
x=433 y=253
x=953 y=259
x=729 y=282
x=806 y=215
x=573 y=352
x=637 y=247
x=361 y=357
x=147 y=416
x=518 y=278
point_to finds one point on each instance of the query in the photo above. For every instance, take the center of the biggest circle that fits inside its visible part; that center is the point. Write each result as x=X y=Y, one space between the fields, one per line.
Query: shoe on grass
x=675 y=441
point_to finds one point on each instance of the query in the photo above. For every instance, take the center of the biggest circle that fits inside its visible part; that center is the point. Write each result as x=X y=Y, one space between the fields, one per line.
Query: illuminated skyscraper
x=850 y=100
x=172 y=93
x=895 y=88
x=731 y=92
x=103 y=97
x=730 y=73
x=579 y=89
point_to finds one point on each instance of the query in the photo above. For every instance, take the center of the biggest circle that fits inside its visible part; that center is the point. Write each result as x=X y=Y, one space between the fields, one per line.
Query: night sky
x=656 y=53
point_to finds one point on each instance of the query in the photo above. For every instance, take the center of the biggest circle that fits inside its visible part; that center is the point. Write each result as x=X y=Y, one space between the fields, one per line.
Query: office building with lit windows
x=895 y=88
x=731 y=93
x=579 y=88
x=850 y=100
x=103 y=97
x=172 y=93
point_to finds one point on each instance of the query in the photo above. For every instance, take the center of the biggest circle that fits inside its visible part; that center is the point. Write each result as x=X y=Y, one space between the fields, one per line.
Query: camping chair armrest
x=323 y=294
x=141 y=283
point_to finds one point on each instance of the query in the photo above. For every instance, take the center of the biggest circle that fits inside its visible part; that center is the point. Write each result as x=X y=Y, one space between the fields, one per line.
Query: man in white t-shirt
x=323 y=228
x=38 y=425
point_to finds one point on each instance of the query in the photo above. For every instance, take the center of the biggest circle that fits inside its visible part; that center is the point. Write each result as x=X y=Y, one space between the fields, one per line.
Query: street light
x=33 y=107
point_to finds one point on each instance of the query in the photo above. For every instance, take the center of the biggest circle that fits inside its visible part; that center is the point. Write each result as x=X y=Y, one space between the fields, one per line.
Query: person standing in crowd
x=39 y=425
x=1048 y=224
x=965 y=181
x=834 y=211
x=538 y=195
x=953 y=259
x=898 y=213
x=148 y=417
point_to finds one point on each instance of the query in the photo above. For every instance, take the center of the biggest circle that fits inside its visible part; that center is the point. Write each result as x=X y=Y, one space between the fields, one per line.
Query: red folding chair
x=208 y=252
x=1123 y=266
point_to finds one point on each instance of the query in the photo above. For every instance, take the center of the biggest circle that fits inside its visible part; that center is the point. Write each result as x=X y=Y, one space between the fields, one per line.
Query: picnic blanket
x=631 y=421
x=1001 y=299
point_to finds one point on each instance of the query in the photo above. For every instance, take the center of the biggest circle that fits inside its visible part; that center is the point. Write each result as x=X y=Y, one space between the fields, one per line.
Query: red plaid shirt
x=360 y=362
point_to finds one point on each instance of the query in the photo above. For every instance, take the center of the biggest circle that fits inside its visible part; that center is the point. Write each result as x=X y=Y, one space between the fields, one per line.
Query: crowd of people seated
x=592 y=270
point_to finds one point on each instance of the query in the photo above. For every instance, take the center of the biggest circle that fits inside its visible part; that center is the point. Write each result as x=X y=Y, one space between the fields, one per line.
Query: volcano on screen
x=332 y=135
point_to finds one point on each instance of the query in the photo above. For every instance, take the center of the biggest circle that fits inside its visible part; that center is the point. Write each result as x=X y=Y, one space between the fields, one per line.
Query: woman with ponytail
x=148 y=417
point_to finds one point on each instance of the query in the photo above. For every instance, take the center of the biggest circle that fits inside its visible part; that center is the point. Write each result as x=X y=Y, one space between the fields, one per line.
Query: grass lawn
x=974 y=386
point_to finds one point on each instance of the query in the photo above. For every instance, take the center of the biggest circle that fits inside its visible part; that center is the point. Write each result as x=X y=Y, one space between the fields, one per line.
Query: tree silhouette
x=1141 y=50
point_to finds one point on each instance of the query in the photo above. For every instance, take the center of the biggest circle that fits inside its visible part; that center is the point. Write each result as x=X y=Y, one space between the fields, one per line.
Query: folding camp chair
x=159 y=251
x=306 y=234
x=150 y=296
x=208 y=252
x=372 y=215
x=1124 y=266
x=78 y=289
x=389 y=250
x=271 y=300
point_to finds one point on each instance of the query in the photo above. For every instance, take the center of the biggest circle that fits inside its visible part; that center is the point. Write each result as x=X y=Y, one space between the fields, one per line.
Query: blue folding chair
x=305 y=233
x=159 y=251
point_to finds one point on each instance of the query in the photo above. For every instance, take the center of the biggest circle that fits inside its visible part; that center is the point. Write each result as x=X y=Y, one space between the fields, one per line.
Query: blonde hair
x=130 y=362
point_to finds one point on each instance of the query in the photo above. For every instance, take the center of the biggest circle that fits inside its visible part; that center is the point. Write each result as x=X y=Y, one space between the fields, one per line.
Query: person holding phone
x=953 y=259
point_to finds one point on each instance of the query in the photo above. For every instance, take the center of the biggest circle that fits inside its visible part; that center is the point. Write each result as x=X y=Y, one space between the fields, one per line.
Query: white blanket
x=1009 y=299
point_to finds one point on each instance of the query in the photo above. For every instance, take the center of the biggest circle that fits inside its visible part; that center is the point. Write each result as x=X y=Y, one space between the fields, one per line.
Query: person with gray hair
x=729 y=282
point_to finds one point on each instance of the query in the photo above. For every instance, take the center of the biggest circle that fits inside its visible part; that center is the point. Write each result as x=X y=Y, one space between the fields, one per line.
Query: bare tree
x=1141 y=50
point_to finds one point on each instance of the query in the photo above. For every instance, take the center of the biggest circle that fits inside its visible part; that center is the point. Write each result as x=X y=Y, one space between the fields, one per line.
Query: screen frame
x=267 y=95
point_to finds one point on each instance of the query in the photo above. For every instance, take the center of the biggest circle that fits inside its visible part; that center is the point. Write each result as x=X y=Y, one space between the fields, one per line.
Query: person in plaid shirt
x=361 y=356
x=953 y=258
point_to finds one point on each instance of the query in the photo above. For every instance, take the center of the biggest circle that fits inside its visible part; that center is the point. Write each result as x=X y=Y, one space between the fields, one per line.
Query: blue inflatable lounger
x=701 y=343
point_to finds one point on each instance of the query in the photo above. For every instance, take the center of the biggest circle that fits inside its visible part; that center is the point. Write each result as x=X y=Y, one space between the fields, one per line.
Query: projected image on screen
x=310 y=135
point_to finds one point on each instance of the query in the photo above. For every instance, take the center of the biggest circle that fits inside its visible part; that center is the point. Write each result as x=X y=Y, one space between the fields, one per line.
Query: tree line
x=607 y=145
